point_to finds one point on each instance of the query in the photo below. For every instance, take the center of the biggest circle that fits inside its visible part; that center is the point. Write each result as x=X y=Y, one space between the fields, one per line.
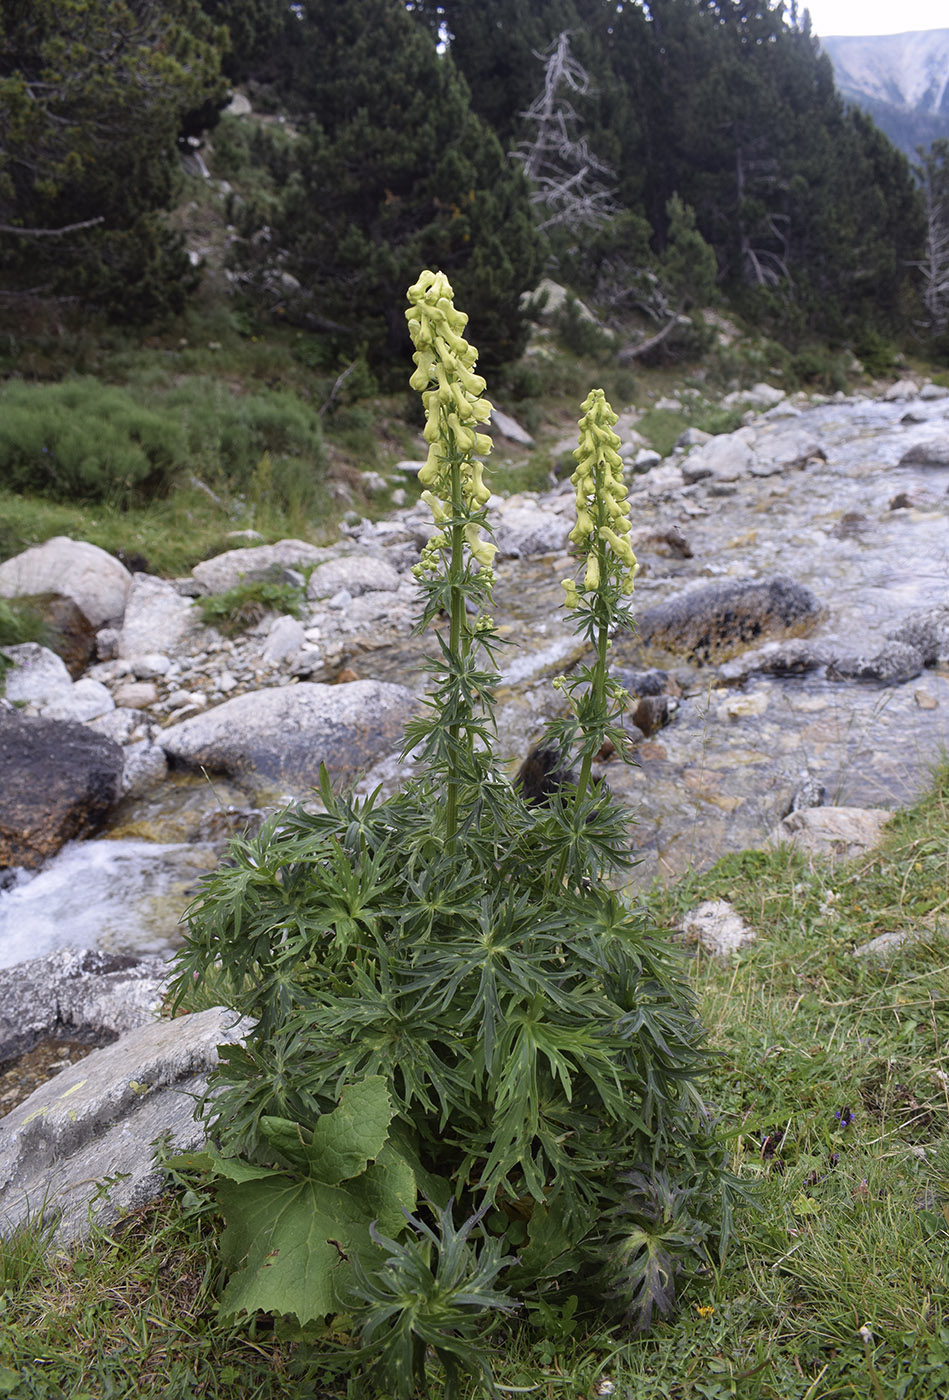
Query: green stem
x=455 y=635
x=599 y=682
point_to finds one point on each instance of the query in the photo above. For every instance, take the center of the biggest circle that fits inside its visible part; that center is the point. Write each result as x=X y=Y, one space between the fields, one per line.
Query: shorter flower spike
x=602 y=506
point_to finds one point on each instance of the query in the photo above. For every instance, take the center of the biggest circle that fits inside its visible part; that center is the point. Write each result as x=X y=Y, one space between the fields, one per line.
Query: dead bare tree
x=568 y=181
x=935 y=262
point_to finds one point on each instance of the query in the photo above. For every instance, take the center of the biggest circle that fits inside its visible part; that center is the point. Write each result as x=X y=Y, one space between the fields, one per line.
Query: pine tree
x=394 y=173
x=92 y=96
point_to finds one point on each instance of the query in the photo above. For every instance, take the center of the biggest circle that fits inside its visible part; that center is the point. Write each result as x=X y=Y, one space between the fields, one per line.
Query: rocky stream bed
x=791 y=657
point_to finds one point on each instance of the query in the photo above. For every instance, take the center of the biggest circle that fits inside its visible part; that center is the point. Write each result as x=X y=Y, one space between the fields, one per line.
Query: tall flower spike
x=452 y=394
x=602 y=528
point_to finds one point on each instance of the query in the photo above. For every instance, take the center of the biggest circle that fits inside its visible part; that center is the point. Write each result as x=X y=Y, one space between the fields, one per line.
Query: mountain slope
x=902 y=80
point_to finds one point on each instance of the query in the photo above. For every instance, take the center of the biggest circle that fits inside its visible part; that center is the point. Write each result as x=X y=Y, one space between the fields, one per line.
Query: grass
x=831 y=1076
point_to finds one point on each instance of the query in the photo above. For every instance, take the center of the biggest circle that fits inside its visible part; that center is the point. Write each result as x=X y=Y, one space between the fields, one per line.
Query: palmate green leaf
x=291 y=1242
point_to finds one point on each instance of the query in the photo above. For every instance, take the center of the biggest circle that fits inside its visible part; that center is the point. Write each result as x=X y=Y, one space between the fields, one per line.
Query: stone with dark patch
x=717 y=621
x=58 y=781
x=66 y=630
x=651 y=713
x=895 y=663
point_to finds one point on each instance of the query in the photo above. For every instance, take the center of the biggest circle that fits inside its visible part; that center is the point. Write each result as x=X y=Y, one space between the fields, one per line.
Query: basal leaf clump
x=473 y=1074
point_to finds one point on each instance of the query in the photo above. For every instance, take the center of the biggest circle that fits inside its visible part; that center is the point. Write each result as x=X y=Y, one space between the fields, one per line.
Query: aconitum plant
x=474 y=1070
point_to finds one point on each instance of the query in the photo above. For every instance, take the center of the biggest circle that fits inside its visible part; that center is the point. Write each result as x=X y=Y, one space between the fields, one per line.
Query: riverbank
x=830 y=1075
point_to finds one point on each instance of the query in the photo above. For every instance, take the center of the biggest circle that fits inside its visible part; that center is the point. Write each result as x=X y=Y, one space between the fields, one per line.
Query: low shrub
x=84 y=441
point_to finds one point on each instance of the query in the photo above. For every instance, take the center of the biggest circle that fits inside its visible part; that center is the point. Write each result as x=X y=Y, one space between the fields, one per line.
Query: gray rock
x=284 y=640
x=157 y=619
x=38 y=676
x=899 y=392
x=100 y=1120
x=121 y=725
x=885 y=945
x=356 y=573
x=526 y=529
x=77 y=992
x=720 y=619
x=87 y=700
x=145 y=767
x=503 y=425
x=782 y=449
x=932 y=451
x=135 y=695
x=57 y=781
x=97 y=583
x=895 y=663
x=727 y=457
x=718 y=927
x=835 y=832
x=225 y=571
x=150 y=666
x=929 y=392
x=280 y=737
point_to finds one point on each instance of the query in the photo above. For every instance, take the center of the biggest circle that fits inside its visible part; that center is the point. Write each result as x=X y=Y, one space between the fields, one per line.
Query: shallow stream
x=719 y=775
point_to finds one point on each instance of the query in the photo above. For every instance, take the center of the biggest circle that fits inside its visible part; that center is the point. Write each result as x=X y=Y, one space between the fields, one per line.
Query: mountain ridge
x=902 y=80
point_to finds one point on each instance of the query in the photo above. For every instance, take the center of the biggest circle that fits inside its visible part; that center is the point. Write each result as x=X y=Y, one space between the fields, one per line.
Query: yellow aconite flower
x=452 y=394
x=602 y=505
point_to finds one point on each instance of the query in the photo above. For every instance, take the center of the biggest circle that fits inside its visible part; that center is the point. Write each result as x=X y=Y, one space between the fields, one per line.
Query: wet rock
x=57 y=781
x=929 y=392
x=101 y=1117
x=718 y=927
x=932 y=451
x=157 y=619
x=928 y=631
x=67 y=630
x=794 y=656
x=96 y=582
x=279 y=737
x=895 y=663
x=720 y=619
x=38 y=676
x=78 y=992
x=842 y=832
x=356 y=574
x=225 y=571
x=145 y=767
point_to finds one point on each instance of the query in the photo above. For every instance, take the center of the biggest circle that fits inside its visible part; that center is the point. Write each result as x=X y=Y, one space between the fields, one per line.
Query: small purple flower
x=844 y=1116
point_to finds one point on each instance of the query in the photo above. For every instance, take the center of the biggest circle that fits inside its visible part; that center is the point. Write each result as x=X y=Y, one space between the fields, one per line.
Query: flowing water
x=718 y=776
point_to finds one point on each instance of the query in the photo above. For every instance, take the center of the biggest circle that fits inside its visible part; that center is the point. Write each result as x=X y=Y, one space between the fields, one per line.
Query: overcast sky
x=875 y=16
